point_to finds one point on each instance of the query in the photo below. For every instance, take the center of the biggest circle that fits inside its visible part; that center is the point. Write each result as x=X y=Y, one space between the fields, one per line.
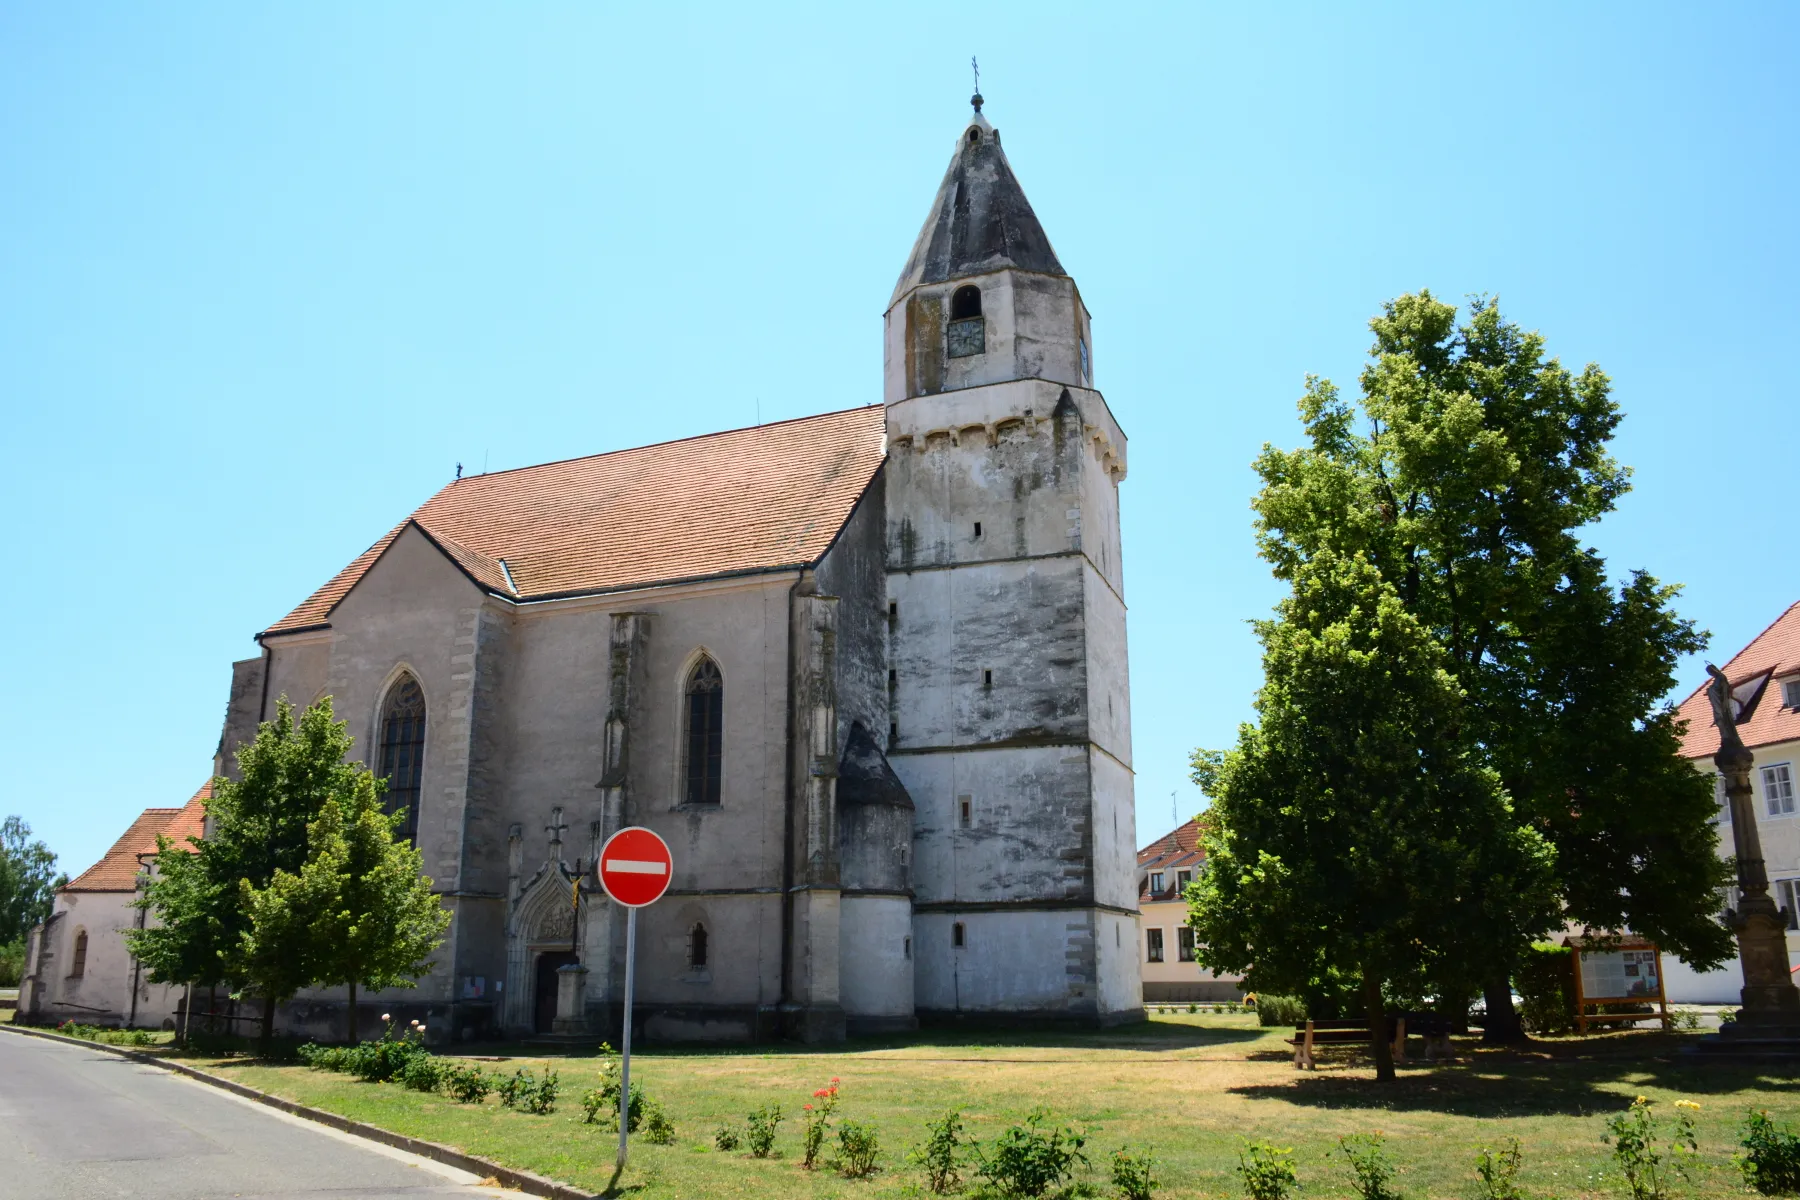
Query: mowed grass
x=1187 y=1088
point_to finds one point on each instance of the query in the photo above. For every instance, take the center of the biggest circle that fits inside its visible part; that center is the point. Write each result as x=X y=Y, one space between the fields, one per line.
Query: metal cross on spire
x=976 y=98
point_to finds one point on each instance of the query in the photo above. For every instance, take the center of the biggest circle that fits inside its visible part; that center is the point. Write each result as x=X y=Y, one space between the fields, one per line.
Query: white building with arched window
x=865 y=671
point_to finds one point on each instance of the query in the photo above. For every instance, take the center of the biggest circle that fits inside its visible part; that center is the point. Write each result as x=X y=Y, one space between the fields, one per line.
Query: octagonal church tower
x=1010 y=707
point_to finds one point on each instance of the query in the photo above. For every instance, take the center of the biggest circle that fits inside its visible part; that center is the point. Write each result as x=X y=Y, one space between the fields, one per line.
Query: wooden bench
x=1434 y=1028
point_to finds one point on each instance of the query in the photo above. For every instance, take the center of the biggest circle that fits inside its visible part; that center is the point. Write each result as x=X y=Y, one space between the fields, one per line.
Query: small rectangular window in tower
x=978 y=529
x=956 y=935
x=965 y=806
x=987 y=678
x=893 y=677
x=893 y=612
x=906 y=948
x=893 y=734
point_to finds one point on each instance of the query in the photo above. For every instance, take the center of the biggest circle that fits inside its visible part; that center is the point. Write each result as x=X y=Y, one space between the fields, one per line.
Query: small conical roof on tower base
x=980 y=221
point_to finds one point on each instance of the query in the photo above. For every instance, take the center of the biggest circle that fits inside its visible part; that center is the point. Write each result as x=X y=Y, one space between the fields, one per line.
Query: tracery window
x=78 y=967
x=403 y=753
x=968 y=332
x=705 y=732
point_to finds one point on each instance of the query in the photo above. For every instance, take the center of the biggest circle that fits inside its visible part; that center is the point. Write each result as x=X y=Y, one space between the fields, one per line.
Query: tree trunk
x=268 y=1025
x=353 y=1012
x=1378 y=1039
x=1502 y=1027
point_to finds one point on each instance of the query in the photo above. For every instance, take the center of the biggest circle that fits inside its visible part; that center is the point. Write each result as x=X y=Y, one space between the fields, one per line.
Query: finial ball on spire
x=976 y=101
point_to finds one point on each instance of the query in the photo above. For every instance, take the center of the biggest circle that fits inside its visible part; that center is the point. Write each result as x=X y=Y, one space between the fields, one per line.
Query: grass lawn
x=1189 y=1088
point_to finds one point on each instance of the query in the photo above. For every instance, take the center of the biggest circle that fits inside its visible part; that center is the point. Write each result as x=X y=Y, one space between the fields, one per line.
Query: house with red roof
x=77 y=967
x=1765 y=690
x=864 y=671
x=1166 y=952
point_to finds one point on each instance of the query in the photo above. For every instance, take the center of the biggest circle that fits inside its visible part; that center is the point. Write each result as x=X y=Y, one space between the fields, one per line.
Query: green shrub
x=1771 y=1157
x=1499 y=1172
x=1637 y=1148
x=535 y=1094
x=725 y=1137
x=658 y=1129
x=858 y=1149
x=1685 y=1018
x=601 y=1104
x=1546 y=981
x=940 y=1154
x=467 y=1084
x=763 y=1123
x=1280 y=1010
x=1131 y=1174
x=1029 y=1160
x=1369 y=1163
x=1267 y=1170
x=422 y=1073
x=12 y=963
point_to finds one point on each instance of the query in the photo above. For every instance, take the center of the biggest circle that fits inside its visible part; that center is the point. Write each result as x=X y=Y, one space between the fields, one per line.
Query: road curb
x=511 y=1177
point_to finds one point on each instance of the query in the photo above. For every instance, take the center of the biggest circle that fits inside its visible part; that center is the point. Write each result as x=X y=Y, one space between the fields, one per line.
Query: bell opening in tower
x=967 y=331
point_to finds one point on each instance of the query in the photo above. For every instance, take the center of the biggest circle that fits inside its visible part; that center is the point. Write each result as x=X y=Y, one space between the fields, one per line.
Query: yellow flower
x=1687 y=1104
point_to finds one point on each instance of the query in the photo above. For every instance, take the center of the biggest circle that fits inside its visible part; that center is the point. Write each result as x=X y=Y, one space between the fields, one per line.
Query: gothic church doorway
x=544 y=998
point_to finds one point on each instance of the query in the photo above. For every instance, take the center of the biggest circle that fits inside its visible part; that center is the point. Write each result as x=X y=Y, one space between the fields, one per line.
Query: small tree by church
x=360 y=912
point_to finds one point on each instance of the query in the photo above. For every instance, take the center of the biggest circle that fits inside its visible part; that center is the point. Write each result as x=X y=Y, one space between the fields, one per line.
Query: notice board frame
x=1580 y=946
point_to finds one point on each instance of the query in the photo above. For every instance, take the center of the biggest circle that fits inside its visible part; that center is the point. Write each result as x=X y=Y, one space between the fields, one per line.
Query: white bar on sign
x=636 y=866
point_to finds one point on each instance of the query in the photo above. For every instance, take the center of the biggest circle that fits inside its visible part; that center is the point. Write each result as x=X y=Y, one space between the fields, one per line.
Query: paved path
x=77 y=1123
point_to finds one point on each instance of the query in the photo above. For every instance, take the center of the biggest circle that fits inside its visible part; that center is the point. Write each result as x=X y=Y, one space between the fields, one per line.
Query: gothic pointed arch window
x=403 y=752
x=705 y=718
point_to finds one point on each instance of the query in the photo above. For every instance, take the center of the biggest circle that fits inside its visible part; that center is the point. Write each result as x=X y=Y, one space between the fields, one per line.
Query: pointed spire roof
x=980 y=221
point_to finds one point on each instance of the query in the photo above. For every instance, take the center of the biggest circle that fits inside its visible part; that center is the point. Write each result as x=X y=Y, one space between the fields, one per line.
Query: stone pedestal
x=571 y=1001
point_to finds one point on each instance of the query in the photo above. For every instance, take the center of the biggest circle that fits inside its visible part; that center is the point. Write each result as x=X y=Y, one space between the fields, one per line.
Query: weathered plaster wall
x=877 y=985
x=855 y=571
x=1032 y=327
x=101 y=994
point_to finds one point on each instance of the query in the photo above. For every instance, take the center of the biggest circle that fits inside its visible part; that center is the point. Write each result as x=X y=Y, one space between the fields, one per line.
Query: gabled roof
x=767 y=498
x=980 y=221
x=1178 y=849
x=117 y=870
x=1755 y=674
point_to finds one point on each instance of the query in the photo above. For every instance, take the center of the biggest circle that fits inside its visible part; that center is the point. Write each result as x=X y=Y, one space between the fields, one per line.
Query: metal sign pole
x=625 y=1041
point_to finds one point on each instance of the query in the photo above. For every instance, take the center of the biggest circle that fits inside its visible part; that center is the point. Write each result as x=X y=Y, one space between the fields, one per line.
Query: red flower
x=807 y=1107
x=834 y=1079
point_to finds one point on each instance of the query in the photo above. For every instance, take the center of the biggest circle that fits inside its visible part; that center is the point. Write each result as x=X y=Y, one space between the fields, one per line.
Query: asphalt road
x=77 y=1124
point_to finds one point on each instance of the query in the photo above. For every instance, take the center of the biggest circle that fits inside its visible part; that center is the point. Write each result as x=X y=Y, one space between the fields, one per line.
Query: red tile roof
x=759 y=499
x=117 y=870
x=1178 y=849
x=1772 y=656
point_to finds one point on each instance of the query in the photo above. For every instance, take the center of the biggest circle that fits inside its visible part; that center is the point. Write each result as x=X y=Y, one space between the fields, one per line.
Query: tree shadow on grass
x=1548 y=1079
x=1141 y=1036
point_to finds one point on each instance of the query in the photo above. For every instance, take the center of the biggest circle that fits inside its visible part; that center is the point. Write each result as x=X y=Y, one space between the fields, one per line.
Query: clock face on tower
x=967 y=337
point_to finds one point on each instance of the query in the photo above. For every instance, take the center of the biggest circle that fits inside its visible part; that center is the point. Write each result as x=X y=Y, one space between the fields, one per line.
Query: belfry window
x=403 y=753
x=705 y=732
x=968 y=333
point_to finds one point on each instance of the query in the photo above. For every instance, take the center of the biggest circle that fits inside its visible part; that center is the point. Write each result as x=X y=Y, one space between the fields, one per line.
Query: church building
x=865 y=672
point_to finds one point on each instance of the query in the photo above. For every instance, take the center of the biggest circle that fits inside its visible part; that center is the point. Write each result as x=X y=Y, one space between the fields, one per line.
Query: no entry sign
x=635 y=867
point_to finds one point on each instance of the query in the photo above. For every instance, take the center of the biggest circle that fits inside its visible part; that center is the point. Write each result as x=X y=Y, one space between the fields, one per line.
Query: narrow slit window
x=987 y=678
x=78 y=967
x=965 y=808
x=956 y=935
x=705 y=733
x=906 y=948
x=697 y=947
x=978 y=529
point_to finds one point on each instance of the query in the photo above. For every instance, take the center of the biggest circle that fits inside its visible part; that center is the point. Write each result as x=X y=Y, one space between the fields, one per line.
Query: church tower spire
x=1008 y=695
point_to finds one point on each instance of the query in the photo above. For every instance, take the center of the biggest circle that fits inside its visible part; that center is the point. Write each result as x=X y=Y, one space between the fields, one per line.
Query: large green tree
x=28 y=880
x=361 y=912
x=1465 y=476
x=1355 y=835
x=257 y=825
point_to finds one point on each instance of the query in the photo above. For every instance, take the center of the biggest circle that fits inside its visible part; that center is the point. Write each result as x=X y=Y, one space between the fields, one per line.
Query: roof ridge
x=692 y=437
x=1748 y=646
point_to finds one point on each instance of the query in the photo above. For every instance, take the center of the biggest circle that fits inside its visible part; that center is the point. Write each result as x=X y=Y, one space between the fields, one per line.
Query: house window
x=705 y=732
x=968 y=333
x=697 y=946
x=1156 y=882
x=1182 y=879
x=956 y=935
x=1787 y=895
x=1153 y=950
x=1184 y=944
x=1778 y=789
x=78 y=967
x=1723 y=800
x=1790 y=692
x=403 y=753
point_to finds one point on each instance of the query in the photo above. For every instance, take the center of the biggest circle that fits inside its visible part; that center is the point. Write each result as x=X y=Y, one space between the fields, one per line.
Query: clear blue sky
x=267 y=273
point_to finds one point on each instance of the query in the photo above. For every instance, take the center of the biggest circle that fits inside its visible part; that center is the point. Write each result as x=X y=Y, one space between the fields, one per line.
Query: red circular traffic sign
x=635 y=867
